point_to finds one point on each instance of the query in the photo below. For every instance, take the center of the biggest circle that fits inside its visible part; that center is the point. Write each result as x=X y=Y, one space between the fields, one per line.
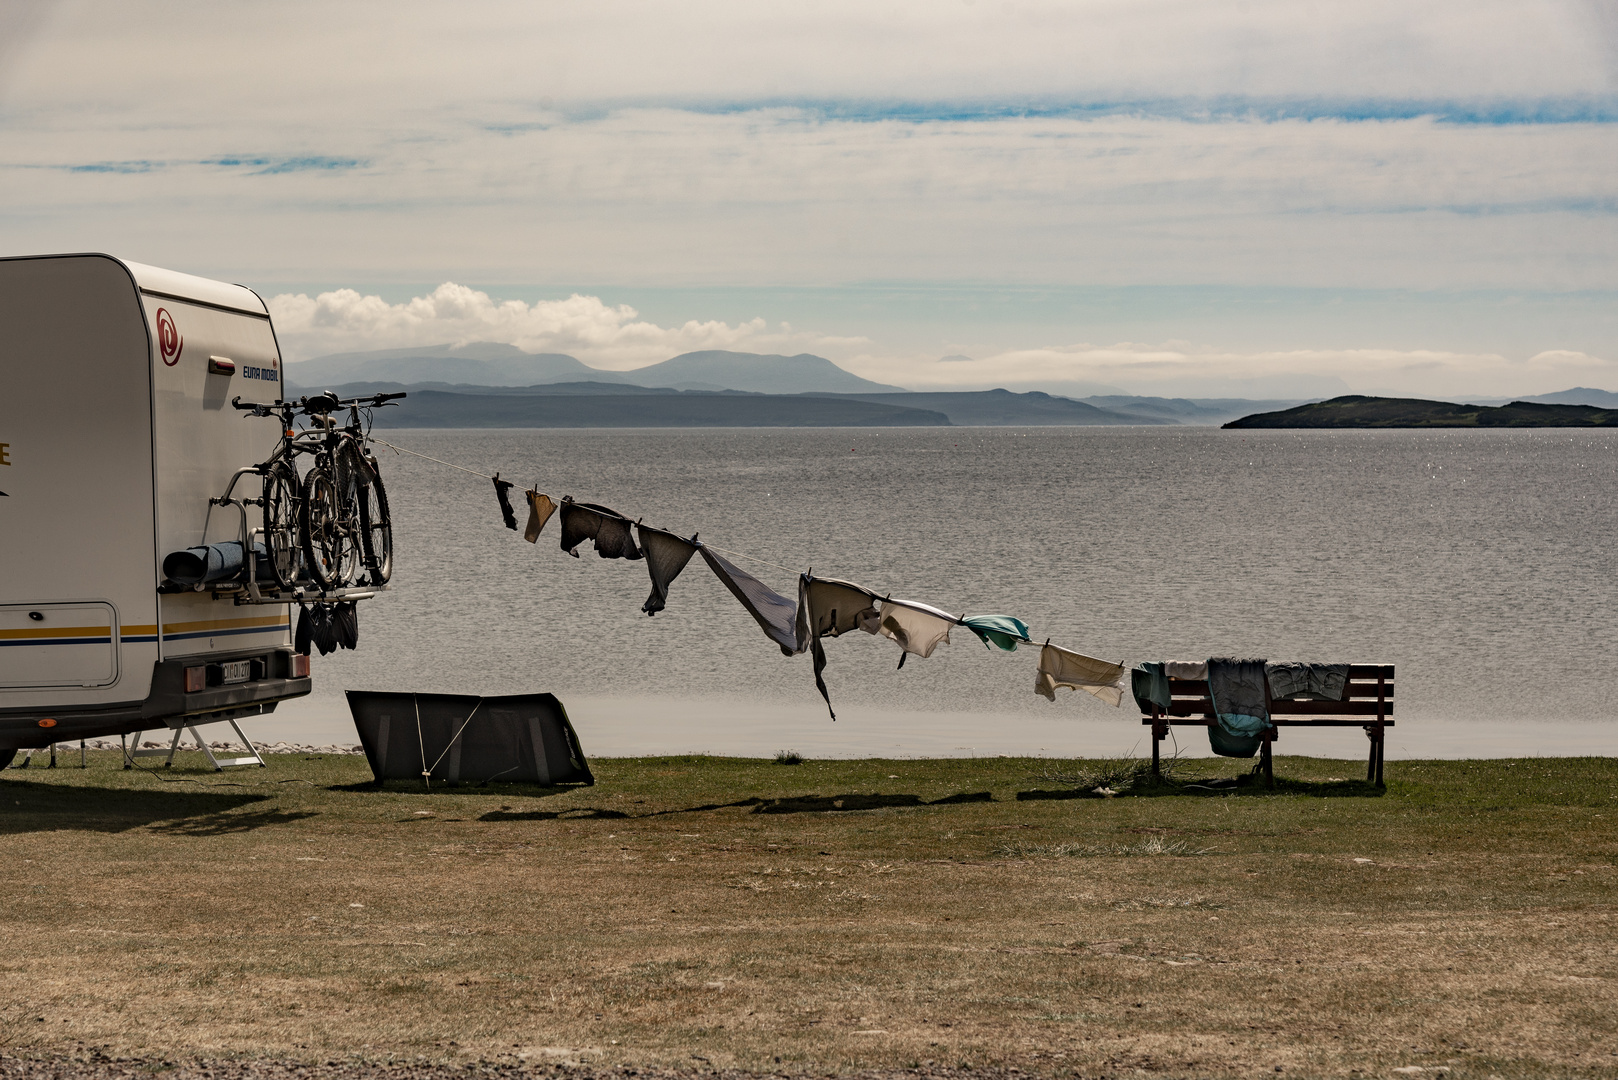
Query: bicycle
x=322 y=525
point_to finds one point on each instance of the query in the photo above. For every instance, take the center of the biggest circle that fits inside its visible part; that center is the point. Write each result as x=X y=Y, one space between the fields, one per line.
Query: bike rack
x=252 y=591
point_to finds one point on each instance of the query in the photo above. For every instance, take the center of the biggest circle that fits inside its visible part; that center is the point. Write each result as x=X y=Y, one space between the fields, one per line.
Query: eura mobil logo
x=169 y=341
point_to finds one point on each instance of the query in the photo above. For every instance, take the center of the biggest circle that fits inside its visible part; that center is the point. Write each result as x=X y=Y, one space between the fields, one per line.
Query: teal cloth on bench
x=1001 y=630
x=1150 y=683
x=1225 y=744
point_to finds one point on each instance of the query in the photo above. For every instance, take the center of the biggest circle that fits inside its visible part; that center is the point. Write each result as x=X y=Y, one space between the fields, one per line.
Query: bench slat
x=1199 y=688
x=1196 y=707
x=1280 y=721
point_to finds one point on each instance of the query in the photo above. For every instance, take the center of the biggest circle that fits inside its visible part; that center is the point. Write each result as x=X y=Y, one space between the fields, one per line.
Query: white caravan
x=116 y=429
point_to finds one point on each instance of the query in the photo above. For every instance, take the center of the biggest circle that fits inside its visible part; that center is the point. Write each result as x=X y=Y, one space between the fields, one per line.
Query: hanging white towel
x=917 y=627
x=1186 y=669
x=1062 y=667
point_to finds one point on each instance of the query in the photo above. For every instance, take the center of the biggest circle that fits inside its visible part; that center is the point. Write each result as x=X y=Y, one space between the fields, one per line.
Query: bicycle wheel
x=281 y=524
x=325 y=518
x=376 y=530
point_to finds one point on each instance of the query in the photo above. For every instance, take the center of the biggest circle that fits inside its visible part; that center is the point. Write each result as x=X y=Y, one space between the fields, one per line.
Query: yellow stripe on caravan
x=135 y=631
x=56 y=632
x=222 y=624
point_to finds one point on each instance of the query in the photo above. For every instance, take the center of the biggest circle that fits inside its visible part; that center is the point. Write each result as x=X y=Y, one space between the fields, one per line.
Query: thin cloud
x=603 y=335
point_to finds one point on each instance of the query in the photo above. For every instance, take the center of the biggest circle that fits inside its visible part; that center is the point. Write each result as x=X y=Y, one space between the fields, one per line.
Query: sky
x=1244 y=198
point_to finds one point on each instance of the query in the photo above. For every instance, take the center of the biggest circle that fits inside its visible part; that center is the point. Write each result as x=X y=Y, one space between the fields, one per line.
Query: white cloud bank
x=597 y=333
x=1182 y=370
x=615 y=338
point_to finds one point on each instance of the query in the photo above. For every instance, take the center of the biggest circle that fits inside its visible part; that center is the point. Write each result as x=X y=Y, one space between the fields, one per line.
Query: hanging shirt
x=1240 y=695
x=831 y=608
x=608 y=528
x=1062 y=667
x=1150 y=683
x=1316 y=682
x=776 y=615
x=1194 y=670
x=507 y=514
x=666 y=556
x=999 y=630
x=540 y=509
x=917 y=627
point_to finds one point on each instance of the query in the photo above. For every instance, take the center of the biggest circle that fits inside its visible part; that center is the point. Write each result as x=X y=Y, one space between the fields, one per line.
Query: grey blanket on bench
x=1237 y=690
x=1315 y=682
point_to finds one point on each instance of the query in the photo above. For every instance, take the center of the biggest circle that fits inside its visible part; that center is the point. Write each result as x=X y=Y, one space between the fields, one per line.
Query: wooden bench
x=1367 y=703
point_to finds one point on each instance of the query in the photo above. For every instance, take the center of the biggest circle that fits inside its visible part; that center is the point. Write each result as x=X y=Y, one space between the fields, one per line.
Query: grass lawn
x=823 y=916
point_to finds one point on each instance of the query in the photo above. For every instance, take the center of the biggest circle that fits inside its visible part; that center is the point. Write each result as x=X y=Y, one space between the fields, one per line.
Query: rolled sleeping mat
x=210 y=564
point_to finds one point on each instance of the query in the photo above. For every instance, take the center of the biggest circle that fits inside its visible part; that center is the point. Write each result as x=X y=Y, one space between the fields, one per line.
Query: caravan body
x=115 y=431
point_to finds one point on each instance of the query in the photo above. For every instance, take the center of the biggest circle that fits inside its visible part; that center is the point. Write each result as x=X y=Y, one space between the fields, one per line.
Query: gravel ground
x=97 y=1066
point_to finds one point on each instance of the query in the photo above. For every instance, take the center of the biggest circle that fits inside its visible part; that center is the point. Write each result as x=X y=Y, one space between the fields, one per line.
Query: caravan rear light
x=221 y=365
x=196 y=678
x=300 y=667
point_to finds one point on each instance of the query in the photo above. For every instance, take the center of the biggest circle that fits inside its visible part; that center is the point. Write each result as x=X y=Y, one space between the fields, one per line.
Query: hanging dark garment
x=666 y=555
x=322 y=630
x=831 y=608
x=345 y=618
x=501 y=488
x=776 y=615
x=305 y=641
x=608 y=528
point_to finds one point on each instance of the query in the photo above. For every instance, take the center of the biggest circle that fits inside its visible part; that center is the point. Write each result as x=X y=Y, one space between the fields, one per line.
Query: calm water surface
x=1479 y=562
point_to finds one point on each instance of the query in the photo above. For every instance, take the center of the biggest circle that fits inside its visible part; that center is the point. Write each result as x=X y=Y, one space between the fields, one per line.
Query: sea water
x=1481 y=563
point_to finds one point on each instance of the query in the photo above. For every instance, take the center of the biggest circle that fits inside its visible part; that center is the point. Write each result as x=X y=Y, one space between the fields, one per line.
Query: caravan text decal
x=169 y=340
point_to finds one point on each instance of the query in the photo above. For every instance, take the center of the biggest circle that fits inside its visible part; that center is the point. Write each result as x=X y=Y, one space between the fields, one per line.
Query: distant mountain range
x=1357 y=411
x=594 y=404
x=487 y=363
x=492 y=370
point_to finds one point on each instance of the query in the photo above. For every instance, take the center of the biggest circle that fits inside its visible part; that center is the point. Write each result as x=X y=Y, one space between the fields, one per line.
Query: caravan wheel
x=6 y=756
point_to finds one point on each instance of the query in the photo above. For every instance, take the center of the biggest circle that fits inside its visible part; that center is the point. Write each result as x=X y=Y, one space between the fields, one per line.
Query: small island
x=1359 y=411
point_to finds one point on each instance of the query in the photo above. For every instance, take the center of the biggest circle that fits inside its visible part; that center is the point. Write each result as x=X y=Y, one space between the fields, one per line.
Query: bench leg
x=1381 y=744
x=1159 y=729
x=1266 y=763
x=1370 y=760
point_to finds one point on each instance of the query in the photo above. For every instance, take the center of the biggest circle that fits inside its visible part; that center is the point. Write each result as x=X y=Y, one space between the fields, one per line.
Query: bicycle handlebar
x=316 y=405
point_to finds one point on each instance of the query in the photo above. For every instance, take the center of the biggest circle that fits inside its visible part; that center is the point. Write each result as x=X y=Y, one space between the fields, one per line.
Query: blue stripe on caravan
x=277 y=628
x=59 y=642
x=137 y=637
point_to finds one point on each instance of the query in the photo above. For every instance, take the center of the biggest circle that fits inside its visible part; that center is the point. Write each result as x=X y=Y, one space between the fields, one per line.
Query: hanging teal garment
x=1000 y=630
x=1150 y=683
x=1225 y=744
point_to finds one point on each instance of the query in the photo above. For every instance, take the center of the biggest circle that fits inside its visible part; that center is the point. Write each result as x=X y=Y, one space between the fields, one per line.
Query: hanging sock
x=1062 y=667
x=918 y=628
x=608 y=528
x=540 y=509
x=501 y=487
x=774 y=613
x=666 y=555
x=1001 y=631
x=831 y=608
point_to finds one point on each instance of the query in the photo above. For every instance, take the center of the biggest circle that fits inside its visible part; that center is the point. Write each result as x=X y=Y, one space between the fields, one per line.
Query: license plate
x=236 y=671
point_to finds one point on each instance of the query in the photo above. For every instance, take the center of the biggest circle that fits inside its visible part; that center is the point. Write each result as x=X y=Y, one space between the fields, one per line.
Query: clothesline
x=486 y=476
x=824 y=608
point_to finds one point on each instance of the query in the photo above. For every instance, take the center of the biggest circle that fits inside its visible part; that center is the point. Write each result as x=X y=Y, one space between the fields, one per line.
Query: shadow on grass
x=42 y=807
x=1219 y=787
x=802 y=804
